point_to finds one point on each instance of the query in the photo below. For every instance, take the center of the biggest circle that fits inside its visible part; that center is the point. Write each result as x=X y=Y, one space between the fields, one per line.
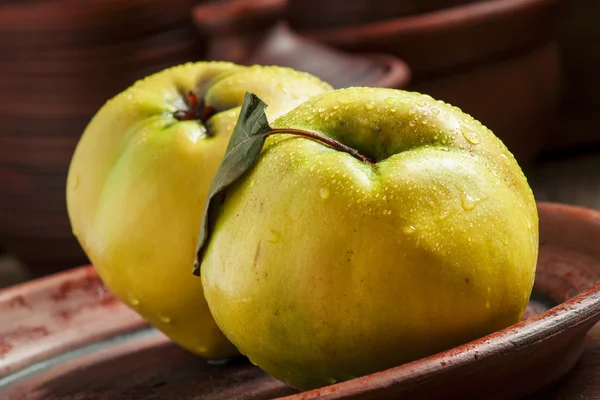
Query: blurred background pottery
x=283 y=47
x=499 y=60
x=579 y=35
x=236 y=27
x=71 y=23
x=515 y=97
x=250 y=32
x=466 y=55
x=331 y=14
x=61 y=61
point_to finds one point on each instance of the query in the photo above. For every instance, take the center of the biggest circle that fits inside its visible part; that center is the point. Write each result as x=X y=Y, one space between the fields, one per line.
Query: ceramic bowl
x=494 y=59
x=318 y=14
x=65 y=336
x=285 y=48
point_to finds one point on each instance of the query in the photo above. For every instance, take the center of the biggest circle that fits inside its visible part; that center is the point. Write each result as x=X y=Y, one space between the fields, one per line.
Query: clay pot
x=37 y=24
x=62 y=60
x=579 y=33
x=71 y=318
x=283 y=47
x=515 y=97
x=319 y=14
x=248 y=32
x=451 y=37
x=461 y=54
x=236 y=27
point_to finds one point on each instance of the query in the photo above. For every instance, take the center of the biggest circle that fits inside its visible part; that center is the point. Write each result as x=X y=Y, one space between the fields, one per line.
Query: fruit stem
x=323 y=139
x=197 y=110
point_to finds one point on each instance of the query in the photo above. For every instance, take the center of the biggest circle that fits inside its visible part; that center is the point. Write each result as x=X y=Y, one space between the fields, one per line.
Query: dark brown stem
x=207 y=112
x=193 y=101
x=323 y=139
x=197 y=110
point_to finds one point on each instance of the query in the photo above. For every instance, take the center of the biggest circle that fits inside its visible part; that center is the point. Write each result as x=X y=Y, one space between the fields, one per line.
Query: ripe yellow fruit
x=322 y=268
x=139 y=178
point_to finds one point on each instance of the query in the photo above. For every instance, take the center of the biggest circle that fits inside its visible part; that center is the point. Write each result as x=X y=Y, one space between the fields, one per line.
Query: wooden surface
x=583 y=382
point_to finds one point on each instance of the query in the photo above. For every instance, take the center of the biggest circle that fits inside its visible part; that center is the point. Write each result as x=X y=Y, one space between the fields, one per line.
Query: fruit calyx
x=197 y=110
x=323 y=139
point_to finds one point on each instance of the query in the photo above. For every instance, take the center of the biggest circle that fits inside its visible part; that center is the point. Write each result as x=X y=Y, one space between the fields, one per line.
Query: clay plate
x=66 y=337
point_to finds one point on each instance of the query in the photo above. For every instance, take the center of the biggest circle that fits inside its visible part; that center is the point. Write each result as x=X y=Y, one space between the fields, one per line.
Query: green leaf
x=247 y=140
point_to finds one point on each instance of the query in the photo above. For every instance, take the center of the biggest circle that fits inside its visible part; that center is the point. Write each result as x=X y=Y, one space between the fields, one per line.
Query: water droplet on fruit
x=411 y=123
x=487 y=304
x=390 y=101
x=324 y=193
x=201 y=349
x=421 y=103
x=345 y=98
x=468 y=202
x=75 y=183
x=164 y=319
x=252 y=182
x=369 y=105
x=132 y=300
x=405 y=100
x=470 y=136
x=274 y=236
x=505 y=159
x=409 y=230
x=436 y=111
x=282 y=87
x=444 y=215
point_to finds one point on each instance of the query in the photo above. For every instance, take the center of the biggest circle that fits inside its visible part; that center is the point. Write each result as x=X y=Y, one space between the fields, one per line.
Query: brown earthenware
x=134 y=53
x=283 y=47
x=516 y=97
x=61 y=61
x=330 y=14
x=235 y=27
x=450 y=50
x=38 y=24
x=579 y=35
x=452 y=37
x=65 y=337
x=247 y=32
